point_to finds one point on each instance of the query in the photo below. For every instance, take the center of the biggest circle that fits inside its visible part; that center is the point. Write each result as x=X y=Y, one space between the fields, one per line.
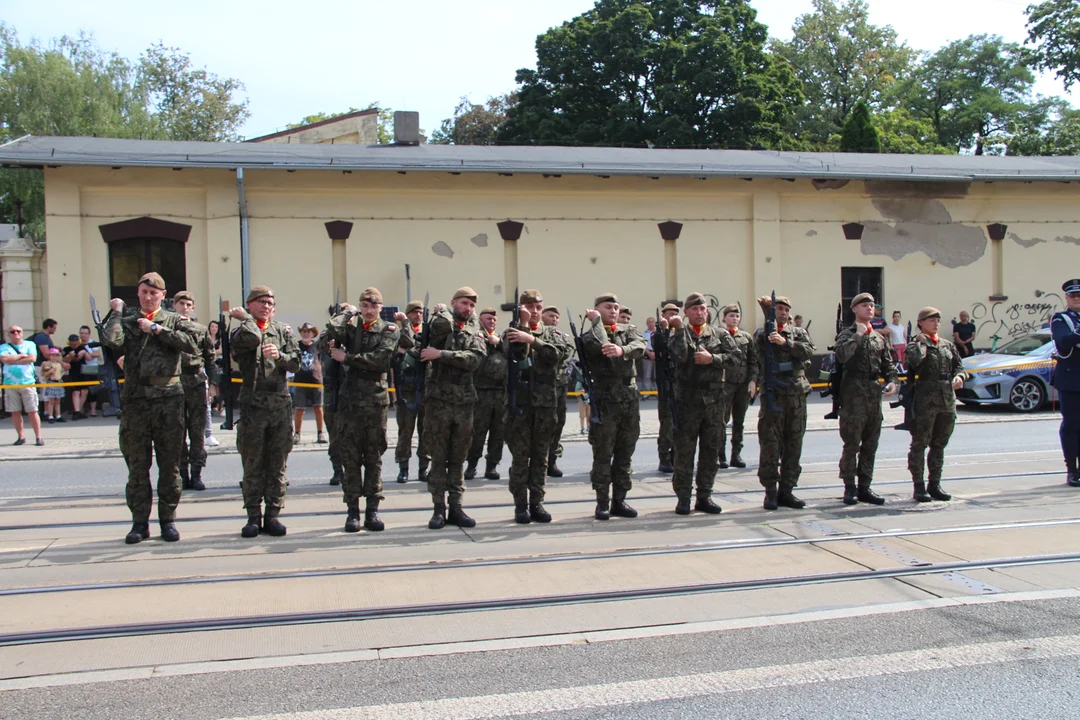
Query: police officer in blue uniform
x=1065 y=327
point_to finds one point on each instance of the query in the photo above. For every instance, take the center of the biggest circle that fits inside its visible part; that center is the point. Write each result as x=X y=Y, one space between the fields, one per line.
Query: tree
x=474 y=124
x=663 y=73
x=384 y=129
x=859 y=134
x=903 y=133
x=1048 y=127
x=1054 y=28
x=841 y=60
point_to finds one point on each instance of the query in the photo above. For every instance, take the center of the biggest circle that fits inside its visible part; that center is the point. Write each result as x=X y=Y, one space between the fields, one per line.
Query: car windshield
x=1022 y=345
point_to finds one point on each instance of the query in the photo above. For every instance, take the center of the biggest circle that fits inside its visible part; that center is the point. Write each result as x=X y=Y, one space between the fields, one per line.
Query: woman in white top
x=91 y=368
x=898 y=336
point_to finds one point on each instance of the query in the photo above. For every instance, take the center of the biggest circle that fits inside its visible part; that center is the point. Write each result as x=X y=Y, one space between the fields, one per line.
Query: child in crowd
x=52 y=371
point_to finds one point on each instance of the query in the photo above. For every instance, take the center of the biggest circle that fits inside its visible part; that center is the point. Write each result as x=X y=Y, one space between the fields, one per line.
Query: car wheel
x=1027 y=395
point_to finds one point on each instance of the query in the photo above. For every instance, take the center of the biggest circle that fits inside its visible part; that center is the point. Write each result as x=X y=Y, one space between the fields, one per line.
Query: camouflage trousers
x=264 y=439
x=560 y=422
x=363 y=442
x=780 y=435
x=664 y=442
x=736 y=403
x=409 y=421
x=194 y=450
x=333 y=435
x=699 y=425
x=613 y=443
x=448 y=434
x=860 y=429
x=529 y=438
x=930 y=427
x=152 y=428
x=489 y=423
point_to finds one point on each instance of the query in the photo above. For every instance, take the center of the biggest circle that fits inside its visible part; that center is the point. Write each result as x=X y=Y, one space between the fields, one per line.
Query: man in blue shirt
x=18 y=356
x=1065 y=328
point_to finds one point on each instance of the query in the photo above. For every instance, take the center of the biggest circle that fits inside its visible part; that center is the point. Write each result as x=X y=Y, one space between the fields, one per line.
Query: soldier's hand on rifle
x=752 y=387
x=238 y=313
x=400 y=318
x=520 y=336
x=863 y=328
x=611 y=350
x=676 y=322
x=145 y=325
x=493 y=339
x=271 y=351
x=703 y=357
x=440 y=307
x=117 y=304
x=663 y=323
x=890 y=389
x=920 y=338
x=338 y=354
x=346 y=307
x=777 y=339
x=650 y=354
x=430 y=353
x=958 y=382
x=592 y=314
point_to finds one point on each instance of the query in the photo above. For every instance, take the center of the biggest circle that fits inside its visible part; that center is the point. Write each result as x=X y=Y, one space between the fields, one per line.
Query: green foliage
x=859 y=133
x=903 y=133
x=1054 y=28
x=385 y=129
x=1048 y=127
x=474 y=124
x=655 y=73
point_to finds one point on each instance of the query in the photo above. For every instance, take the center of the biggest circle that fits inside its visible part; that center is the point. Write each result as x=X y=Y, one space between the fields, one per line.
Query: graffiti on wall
x=999 y=322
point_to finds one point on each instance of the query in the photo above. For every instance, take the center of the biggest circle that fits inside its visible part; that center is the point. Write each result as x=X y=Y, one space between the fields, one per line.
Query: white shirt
x=898 y=333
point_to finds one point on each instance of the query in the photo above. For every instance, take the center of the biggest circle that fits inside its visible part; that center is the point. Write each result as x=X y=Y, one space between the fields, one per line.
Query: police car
x=1016 y=374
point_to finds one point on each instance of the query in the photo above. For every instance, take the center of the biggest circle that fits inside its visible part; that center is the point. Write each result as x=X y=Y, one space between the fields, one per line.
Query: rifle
x=225 y=384
x=110 y=371
x=586 y=373
x=665 y=386
x=425 y=340
x=907 y=393
x=513 y=361
x=772 y=382
x=836 y=374
x=333 y=371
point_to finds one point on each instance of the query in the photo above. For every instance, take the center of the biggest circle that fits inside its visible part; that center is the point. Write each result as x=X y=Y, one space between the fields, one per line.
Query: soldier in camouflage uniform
x=738 y=387
x=333 y=377
x=551 y=319
x=409 y=409
x=264 y=350
x=152 y=424
x=489 y=417
x=193 y=378
x=665 y=446
x=938 y=370
x=866 y=356
x=364 y=349
x=781 y=430
x=543 y=351
x=700 y=360
x=612 y=349
x=455 y=353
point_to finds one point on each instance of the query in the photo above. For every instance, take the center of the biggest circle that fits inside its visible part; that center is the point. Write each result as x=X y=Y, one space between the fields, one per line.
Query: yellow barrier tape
x=81 y=383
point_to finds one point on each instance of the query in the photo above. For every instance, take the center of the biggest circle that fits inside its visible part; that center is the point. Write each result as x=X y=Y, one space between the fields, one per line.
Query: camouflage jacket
x=865 y=357
x=613 y=378
x=450 y=378
x=193 y=365
x=792 y=360
x=368 y=350
x=491 y=375
x=695 y=381
x=151 y=361
x=743 y=351
x=332 y=371
x=541 y=366
x=406 y=361
x=934 y=366
x=265 y=383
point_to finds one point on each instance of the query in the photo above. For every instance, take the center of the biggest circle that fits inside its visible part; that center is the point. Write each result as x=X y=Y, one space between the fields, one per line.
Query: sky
x=297 y=59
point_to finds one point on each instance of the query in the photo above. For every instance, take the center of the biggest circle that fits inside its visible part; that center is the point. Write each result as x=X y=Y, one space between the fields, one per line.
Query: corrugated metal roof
x=111 y=152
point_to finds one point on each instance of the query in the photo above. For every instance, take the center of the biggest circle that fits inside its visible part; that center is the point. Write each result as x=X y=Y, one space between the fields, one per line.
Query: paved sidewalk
x=97 y=437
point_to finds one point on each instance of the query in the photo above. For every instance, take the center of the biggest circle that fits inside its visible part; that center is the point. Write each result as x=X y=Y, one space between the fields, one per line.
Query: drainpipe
x=245 y=264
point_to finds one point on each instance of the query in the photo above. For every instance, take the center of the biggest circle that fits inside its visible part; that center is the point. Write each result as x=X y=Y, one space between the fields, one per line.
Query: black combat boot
x=1072 y=474
x=403 y=472
x=682 y=506
x=866 y=495
x=438 y=518
x=457 y=516
x=603 y=506
x=705 y=504
x=920 y=493
x=169 y=532
x=850 y=492
x=490 y=473
x=372 y=521
x=522 y=516
x=196 y=478
x=553 y=469
x=786 y=498
x=736 y=458
x=271 y=525
x=771 y=502
x=723 y=463
x=335 y=479
x=422 y=473
x=470 y=470
x=619 y=508
x=254 y=525
x=185 y=478
x=538 y=513
x=139 y=531
x=352 y=520
x=936 y=492
x=665 y=464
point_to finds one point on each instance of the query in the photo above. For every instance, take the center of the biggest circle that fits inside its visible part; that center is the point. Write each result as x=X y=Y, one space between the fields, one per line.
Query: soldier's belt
x=365 y=374
x=160 y=380
x=270 y=387
x=612 y=382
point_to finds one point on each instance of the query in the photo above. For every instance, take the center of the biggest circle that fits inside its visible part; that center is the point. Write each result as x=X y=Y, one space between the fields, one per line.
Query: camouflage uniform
x=740 y=345
x=333 y=375
x=933 y=409
x=489 y=417
x=780 y=434
x=264 y=435
x=152 y=424
x=364 y=401
x=562 y=380
x=700 y=398
x=866 y=357
x=409 y=411
x=665 y=446
x=529 y=434
x=193 y=378
x=614 y=439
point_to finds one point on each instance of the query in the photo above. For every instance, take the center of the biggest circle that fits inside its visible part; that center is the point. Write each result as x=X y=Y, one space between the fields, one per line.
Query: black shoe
x=422 y=474
x=169 y=532
x=273 y=527
x=196 y=478
x=619 y=508
x=771 y=502
x=737 y=461
x=185 y=477
x=470 y=471
x=665 y=466
x=850 y=493
x=60 y=419
x=1073 y=479
x=866 y=495
x=522 y=516
x=553 y=470
x=937 y=493
x=438 y=519
x=352 y=520
x=723 y=463
x=457 y=516
x=403 y=472
x=335 y=479
x=682 y=507
x=490 y=473
x=254 y=524
x=372 y=521
x=706 y=505
x=786 y=498
x=538 y=513
x=603 y=510
x=20 y=441
x=920 y=493
x=139 y=531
